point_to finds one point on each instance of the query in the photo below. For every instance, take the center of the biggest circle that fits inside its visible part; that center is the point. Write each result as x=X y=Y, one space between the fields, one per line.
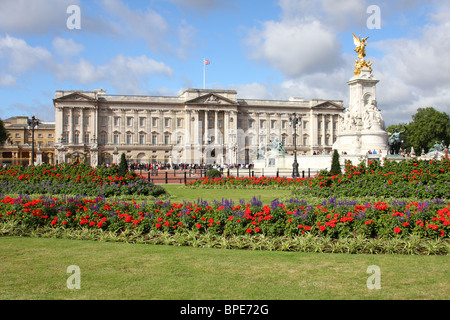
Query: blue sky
x=261 y=48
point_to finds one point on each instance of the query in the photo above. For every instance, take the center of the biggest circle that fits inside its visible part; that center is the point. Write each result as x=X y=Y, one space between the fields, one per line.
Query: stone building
x=197 y=126
x=18 y=148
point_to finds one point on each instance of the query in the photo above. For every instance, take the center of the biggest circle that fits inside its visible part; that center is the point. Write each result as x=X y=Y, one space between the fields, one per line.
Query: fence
x=180 y=176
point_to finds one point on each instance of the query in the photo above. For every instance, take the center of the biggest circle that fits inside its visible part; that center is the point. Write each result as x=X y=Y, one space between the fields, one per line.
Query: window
x=129 y=121
x=65 y=137
x=250 y=123
x=166 y=122
x=154 y=122
x=239 y=124
x=76 y=120
x=261 y=124
x=319 y=140
x=179 y=122
x=283 y=140
x=50 y=135
x=141 y=139
x=103 y=139
x=273 y=123
x=327 y=141
x=86 y=121
x=76 y=138
x=129 y=139
x=116 y=121
x=166 y=139
x=210 y=123
x=179 y=140
x=39 y=135
x=86 y=138
x=141 y=122
x=319 y=125
x=220 y=123
x=66 y=120
x=326 y=125
x=116 y=139
x=103 y=121
x=305 y=125
x=17 y=135
x=334 y=125
x=154 y=139
x=283 y=124
x=305 y=141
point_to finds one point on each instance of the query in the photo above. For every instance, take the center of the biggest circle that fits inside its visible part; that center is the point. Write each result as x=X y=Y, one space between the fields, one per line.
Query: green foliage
x=335 y=165
x=3 y=133
x=213 y=173
x=427 y=126
x=123 y=166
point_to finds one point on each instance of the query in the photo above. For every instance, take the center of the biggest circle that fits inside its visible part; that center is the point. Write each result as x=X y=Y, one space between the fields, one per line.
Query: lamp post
x=33 y=123
x=293 y=121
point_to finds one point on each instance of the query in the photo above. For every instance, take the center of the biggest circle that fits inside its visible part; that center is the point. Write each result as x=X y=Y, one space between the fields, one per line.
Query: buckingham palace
x=198 y=126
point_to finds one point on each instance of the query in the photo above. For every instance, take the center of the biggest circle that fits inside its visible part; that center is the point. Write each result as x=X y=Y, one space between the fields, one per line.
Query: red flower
x=257 y=229
x=158 y=225
x=322 y=228
x=248 y=230
x=397 y=230
x=198 y=225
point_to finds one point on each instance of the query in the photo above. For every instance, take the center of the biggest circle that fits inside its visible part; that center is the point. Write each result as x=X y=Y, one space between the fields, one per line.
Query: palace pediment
x=328 y=105
x=212 y=99
x=75 y=96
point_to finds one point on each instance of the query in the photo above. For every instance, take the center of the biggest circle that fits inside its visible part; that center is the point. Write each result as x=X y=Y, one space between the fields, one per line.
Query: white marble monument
x=361 y=127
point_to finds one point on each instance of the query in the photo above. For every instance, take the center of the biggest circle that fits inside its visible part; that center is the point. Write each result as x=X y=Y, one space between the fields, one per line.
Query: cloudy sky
x=268 y=49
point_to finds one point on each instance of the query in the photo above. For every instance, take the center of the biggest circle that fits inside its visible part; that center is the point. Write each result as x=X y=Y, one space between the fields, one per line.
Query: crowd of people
x=185 y=166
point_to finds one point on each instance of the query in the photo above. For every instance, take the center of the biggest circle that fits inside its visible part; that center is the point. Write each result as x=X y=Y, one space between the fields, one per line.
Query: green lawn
x=36 y=268
x=180 y=193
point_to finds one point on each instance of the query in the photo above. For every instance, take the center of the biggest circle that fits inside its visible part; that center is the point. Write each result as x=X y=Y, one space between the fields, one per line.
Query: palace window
x=129 y=139
x=129 y=121
x=154 y=139
x=86 y=138
x=116 y=121
x=141 y=122
x=76 y=138
x=116 y=139
x=141 y=139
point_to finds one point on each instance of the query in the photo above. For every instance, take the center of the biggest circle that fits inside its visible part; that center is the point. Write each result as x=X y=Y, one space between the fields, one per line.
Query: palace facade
x=17 y=149
x=197 y=126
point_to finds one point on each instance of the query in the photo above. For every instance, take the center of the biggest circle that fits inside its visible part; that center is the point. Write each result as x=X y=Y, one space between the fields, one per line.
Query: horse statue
x=394 y=141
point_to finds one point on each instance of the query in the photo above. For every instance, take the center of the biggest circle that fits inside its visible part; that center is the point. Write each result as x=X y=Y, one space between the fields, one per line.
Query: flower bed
x=417 y=179
x=331 y=218
x=79 y=179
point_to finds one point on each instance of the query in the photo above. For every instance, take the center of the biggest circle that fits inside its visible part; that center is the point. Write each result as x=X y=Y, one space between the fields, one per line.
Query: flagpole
x=204 y=68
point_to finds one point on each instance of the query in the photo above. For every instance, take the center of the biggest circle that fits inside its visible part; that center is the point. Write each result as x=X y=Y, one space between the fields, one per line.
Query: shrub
x=123 y=165
x=335 y=165
x=213 y=173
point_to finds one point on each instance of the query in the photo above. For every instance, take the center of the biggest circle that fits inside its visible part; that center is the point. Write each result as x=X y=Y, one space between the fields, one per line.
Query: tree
x=123 y=166
x=427 y=127
x=3 y=133
x=335 y=165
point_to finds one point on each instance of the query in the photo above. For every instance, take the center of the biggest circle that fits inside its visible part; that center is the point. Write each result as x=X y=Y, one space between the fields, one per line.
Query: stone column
x=206 y=128
x=216 y=128
x=70 y=126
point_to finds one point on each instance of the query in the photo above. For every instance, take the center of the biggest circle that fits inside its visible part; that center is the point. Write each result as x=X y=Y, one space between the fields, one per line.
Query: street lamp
x=293 y=121
x=33 y=123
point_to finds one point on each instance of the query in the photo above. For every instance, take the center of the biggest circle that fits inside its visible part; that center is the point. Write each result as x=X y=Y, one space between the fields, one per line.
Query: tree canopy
x=427 y=126
x=3 y=132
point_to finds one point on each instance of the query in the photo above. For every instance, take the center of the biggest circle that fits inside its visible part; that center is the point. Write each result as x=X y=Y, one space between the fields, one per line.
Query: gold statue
x=361 y=50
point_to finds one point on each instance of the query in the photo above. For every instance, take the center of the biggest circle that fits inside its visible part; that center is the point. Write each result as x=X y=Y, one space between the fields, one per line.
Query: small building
x=17 y=149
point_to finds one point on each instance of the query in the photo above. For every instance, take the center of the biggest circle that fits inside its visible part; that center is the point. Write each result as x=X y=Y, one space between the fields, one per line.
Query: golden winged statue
x=361 y=50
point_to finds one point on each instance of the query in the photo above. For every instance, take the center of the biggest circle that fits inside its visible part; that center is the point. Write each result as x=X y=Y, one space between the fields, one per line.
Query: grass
x=35 y=268
x=179 y=193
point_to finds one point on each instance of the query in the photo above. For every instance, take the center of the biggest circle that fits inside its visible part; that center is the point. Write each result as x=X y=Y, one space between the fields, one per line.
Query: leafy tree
x=427 y=127
x=3 y=133
x=335 y=165
x=123 y=166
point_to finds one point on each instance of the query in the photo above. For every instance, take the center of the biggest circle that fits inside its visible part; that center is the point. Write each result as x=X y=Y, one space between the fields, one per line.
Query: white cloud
x=66 y=47
x=296 y=47
x=34 y=16
x=20 y=57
